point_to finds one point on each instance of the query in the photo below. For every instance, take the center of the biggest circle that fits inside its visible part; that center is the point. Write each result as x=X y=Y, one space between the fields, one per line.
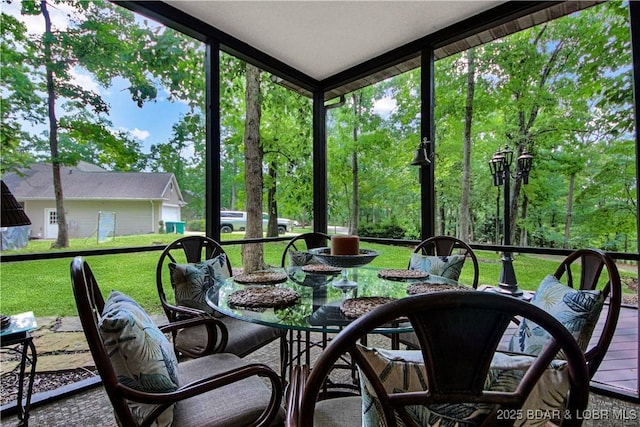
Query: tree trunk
x=498 y=228
x=567 y=224
x=524 y=237
x=465 y=220
x=272 y=226
x=353 y=224
x=253 y=253
x=62 y=241
x=234 y=189
x=516 y=186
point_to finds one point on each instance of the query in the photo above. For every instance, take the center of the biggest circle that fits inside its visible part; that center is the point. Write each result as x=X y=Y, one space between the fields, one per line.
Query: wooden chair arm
x=195 y=388
x=297 y=383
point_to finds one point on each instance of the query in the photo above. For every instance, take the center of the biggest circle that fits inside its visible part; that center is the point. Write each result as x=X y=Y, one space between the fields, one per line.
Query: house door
x=51 y=223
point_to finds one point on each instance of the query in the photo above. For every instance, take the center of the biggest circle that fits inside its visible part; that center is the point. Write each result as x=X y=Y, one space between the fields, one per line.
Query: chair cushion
x=444 y=266
x=338 y=412
x=190 y=282
x=142 y=357
x=300 y=258
x=244 y=337
x=404 y=370
x=237 y=404
x=577 y=310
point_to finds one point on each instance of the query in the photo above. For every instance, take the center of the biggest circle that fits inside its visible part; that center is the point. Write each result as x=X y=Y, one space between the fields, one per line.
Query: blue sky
x=150 y=124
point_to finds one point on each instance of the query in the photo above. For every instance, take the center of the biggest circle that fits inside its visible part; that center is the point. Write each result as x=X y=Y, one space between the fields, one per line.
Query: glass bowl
x=344 y=261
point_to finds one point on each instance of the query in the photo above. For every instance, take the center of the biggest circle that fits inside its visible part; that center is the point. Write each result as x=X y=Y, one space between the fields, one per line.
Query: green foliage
x=388 y=230
x=196 y=225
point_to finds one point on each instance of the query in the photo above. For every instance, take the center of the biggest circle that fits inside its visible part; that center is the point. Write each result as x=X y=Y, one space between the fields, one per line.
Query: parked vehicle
x=237 y=221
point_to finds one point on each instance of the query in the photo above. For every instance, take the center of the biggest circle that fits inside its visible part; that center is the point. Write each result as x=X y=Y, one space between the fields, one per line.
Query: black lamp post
x=500 y=165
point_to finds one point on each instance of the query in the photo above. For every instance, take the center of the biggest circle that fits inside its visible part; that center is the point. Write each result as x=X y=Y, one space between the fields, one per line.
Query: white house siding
x=35 y=211
x=132 y=217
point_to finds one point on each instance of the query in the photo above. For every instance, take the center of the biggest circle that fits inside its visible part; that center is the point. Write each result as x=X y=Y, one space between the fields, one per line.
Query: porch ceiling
x=322 y=38
x=341 y=46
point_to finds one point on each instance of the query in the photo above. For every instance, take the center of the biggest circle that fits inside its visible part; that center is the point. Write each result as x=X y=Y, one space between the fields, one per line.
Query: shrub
x=382 y=230
x=196 y=225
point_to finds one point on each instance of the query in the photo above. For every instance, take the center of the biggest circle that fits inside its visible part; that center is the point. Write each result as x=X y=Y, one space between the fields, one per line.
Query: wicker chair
x=304 y=242
x=445 y=246
x=223 y=333
x=440 y=246
x=459 y=333
x=218 y=389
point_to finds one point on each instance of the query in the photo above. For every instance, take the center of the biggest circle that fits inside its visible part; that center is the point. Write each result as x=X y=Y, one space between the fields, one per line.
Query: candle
x=345 y=245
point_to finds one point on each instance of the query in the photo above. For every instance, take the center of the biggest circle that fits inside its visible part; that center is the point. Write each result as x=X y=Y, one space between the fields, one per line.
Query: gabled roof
x=87 y=181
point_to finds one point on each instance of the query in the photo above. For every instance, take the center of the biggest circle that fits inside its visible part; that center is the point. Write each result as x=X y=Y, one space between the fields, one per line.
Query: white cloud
x=384 y=106
x=59 y=14
x=140 y=134
x=84 y=80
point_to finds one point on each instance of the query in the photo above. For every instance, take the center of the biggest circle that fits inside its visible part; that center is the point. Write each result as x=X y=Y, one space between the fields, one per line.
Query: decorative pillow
x=190 y=282
x=403 y=370
x=300 y=258
x=142 y=357
x=549 y=395
x=444 y=266
x=577 y=310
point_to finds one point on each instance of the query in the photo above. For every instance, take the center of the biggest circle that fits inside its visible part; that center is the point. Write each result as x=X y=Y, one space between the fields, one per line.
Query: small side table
x=17 y=338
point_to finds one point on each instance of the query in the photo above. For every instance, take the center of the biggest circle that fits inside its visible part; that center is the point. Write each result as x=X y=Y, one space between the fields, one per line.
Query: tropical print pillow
x=548 y=397
x=444 y=266
x=577 y=310
x=142 y=357
x=191 y=282
x=404 y=370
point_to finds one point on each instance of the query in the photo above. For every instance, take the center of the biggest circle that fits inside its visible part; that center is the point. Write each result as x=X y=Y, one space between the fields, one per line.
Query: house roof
x=87 y=181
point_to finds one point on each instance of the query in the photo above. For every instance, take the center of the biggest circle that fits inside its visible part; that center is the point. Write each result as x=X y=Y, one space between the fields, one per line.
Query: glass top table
x=318 y=307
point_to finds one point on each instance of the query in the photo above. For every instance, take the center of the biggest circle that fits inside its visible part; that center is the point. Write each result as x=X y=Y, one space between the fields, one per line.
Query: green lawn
x=44 y=286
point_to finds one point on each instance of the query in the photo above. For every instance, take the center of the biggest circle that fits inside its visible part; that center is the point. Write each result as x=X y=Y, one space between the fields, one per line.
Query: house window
x=53 y=217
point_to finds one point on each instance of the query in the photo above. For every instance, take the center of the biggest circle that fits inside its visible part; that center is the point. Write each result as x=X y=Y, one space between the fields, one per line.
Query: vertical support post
x=320 y=220
x=212 y=114
x=427 y=125
x=634 y=23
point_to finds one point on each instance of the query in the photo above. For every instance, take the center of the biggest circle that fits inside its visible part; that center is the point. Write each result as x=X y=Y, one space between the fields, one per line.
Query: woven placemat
x=260 y=278
x=398 y=274
x=426 y=287
x=356 y=307
x=5 y=321
x=321 y=269
x=263 y=297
